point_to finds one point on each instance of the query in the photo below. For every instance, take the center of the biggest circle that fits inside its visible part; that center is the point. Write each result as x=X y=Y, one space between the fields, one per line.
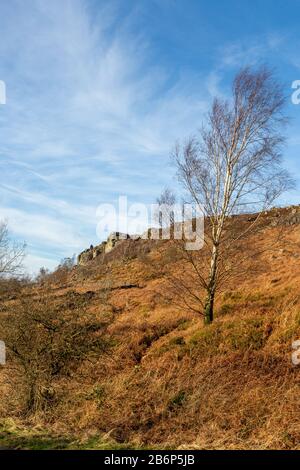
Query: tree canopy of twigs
x=11 y=254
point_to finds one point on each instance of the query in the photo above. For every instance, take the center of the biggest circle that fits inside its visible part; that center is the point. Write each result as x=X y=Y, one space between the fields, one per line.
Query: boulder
x=104 y=247
x=113 y=239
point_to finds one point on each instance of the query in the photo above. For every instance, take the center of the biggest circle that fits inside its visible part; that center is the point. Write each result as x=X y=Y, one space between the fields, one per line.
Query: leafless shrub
x=46 y=340
x=61 y=275
x=11 y=254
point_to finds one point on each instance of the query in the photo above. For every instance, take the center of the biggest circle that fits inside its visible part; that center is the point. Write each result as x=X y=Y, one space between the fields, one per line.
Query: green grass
x=206 y=340
x=238 y=335
x=245 y=335
x=16 y=437
x=31 y=441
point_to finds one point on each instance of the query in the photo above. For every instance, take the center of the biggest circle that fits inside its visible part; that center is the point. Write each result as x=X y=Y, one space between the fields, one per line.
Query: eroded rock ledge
x=103 y=248
x=272 y=218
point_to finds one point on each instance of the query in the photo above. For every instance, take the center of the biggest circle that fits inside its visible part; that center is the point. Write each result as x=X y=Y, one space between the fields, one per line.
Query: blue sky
x=99 y=91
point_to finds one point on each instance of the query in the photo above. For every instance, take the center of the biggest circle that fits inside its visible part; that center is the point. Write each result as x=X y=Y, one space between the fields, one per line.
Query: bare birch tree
x=235 y=167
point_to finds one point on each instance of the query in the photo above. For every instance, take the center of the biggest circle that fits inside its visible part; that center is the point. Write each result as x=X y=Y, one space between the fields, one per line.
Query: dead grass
x=169 y=382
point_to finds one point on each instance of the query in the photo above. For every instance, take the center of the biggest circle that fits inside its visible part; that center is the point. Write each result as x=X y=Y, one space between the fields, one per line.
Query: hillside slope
x=168 y=381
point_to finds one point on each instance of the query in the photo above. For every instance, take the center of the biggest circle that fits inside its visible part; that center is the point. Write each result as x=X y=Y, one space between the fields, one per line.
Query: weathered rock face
x=273 y=218
x=104 y=247
x=113 y=239
x=294 y=216
x=286 y=216
x=84 y=257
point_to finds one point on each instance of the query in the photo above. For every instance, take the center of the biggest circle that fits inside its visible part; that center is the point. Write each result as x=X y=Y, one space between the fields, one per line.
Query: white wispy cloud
x=91 y=113
x=84 y=119
x=41 y=228
x=33 y=263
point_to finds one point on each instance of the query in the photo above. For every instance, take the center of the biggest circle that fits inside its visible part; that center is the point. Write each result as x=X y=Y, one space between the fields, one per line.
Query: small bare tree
x=47 y=339
x=165 y=203
x=235 y=167
x=11 y=254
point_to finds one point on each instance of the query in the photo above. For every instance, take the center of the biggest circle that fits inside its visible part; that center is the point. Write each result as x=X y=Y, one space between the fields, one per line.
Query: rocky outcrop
x=287 y=216
x=294 y=216
x=104 y=247
x=275 y=217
